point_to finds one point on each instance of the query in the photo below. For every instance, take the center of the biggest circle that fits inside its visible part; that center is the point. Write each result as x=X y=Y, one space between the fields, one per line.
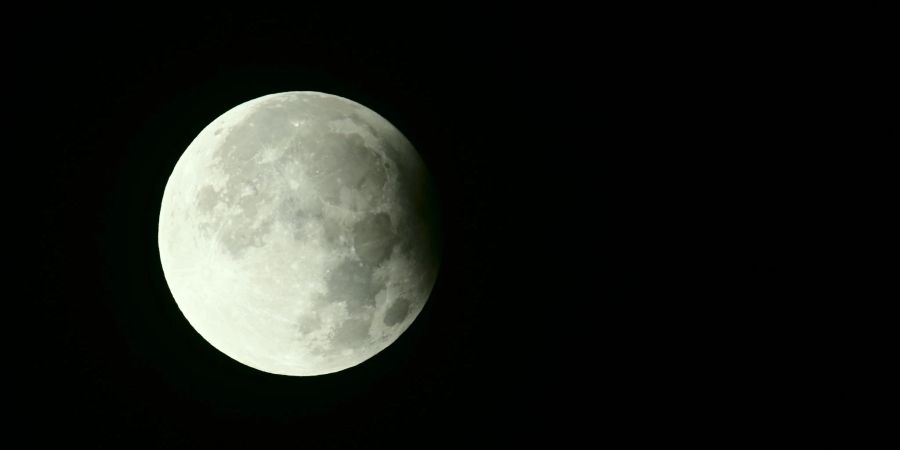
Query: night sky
x=623 y=200
x=506 y=113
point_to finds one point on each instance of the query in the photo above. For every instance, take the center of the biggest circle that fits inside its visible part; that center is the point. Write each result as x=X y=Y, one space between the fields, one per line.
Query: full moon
x=298 y=233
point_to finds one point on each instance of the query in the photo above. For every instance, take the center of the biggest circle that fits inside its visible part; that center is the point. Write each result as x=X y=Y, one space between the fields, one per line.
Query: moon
x=298 y=233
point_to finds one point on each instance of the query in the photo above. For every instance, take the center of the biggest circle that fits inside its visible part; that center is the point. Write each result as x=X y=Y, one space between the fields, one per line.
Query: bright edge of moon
x=298 y=233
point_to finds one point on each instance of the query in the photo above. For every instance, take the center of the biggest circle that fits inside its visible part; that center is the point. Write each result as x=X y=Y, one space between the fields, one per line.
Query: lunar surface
x=297 y=233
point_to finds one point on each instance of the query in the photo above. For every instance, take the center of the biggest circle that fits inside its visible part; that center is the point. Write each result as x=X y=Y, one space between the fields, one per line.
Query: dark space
x=505 y=110
x=622 y=197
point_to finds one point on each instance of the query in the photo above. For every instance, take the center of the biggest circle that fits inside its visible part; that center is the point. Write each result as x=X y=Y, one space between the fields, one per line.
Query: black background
x=626 y=204
x=505 y=109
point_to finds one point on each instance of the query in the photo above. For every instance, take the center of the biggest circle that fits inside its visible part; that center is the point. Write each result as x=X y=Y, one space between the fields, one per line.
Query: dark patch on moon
x=333 y=231
x=297 y=219
x=351 y=283
x=396 y=312
x=236 y=240
x=373 y=238
x=360 y=122
x=351 y=333
x=238 y=232
x=344 y=161
x=207 y=198
x=308 y=324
